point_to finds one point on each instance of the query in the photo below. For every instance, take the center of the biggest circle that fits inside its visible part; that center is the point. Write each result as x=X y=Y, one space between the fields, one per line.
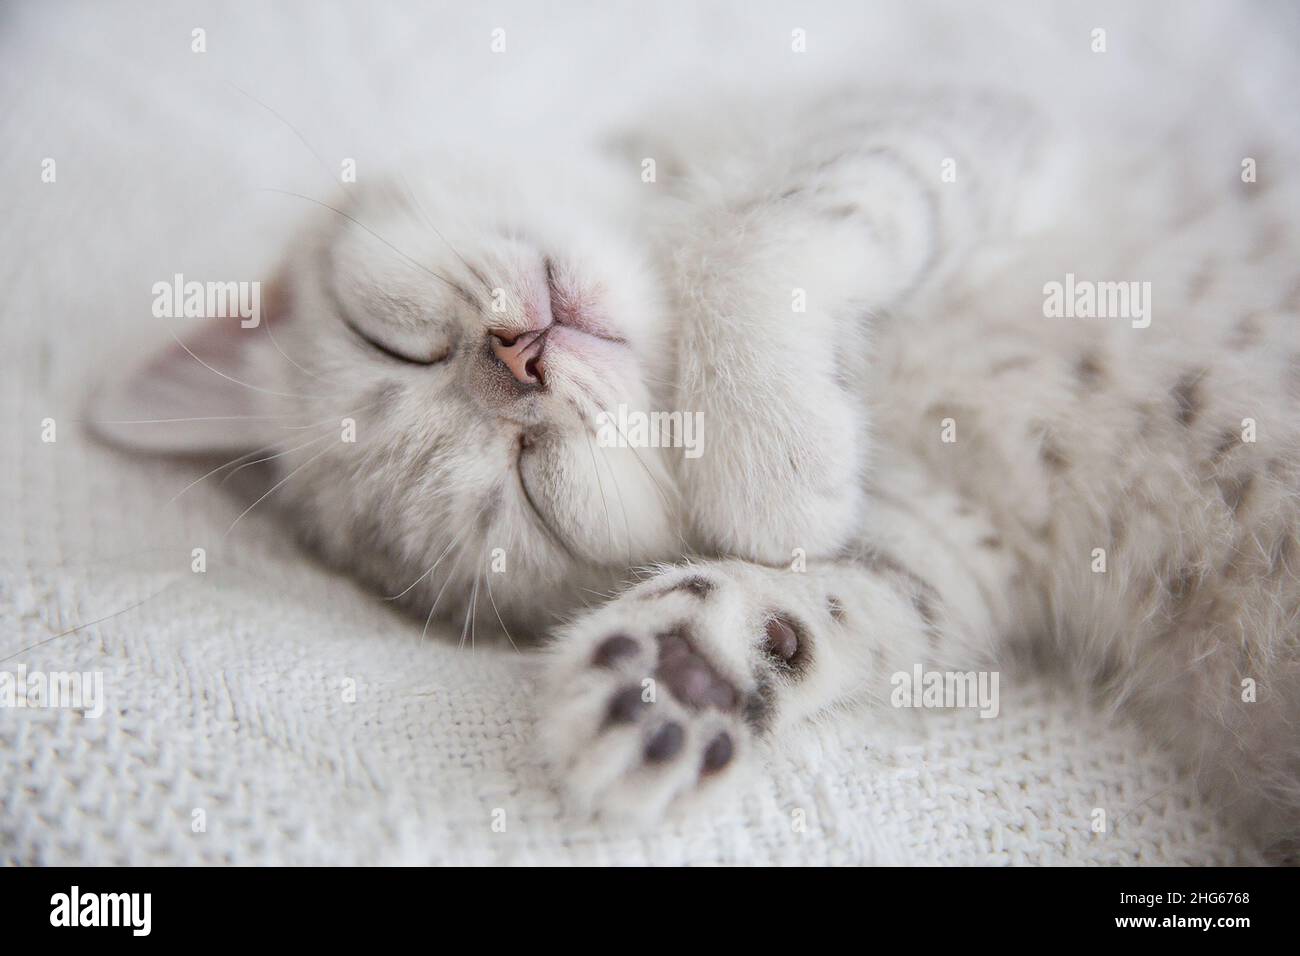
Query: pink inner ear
x=224 y=342
x=174 y=403
x=277 y=301
x=217 y=341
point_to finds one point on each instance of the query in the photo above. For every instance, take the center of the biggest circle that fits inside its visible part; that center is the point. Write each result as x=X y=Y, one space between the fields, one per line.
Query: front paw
x=654 y=699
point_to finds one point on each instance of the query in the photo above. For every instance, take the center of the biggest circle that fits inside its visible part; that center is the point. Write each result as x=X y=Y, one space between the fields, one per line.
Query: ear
x=201 y=393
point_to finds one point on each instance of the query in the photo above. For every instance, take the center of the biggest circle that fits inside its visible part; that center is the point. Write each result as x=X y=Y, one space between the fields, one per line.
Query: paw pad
x=782 y=641
x=614 y=649
x=690 y=677
x=718 y=754
x=662 y=702
x=625 y=706
x=666 y=742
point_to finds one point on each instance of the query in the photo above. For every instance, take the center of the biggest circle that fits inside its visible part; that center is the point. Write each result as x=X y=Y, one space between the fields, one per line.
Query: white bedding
x=225 y=691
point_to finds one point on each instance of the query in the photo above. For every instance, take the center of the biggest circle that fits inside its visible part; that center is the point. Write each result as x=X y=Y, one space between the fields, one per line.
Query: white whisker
x=229 y=378
x=272 y=490
x=281 y=454
x=609 y=528
x=438 y=561
x=255 y=451
x=161 y=421
x=509 y=637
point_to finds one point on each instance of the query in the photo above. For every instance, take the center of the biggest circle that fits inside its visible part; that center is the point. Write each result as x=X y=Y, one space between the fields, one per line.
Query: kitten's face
x=472 y=330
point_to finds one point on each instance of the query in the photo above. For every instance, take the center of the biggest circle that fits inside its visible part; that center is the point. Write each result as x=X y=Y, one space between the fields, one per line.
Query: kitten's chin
x=601 y=506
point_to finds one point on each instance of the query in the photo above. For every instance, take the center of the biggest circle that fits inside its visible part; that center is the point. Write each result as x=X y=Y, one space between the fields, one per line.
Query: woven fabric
x=291 y=714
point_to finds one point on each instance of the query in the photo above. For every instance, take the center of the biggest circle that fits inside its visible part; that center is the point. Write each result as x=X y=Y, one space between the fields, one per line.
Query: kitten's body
x=917 y=467
x=1063 y=435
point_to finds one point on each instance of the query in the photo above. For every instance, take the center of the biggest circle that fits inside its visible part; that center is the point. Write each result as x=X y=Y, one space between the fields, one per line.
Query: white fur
x=924 y=303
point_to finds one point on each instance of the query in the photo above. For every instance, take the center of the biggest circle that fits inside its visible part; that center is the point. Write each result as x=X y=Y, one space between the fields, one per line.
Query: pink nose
x=521 y=353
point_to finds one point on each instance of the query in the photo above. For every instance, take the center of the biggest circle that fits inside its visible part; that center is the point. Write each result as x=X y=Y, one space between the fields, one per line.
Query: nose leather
x=521 y=354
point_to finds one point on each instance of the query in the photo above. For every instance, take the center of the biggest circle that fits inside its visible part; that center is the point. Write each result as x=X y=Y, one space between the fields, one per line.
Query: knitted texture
x=268 y=711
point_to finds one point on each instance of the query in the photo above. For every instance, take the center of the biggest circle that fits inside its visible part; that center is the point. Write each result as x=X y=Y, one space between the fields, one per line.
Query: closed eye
x=433 y=359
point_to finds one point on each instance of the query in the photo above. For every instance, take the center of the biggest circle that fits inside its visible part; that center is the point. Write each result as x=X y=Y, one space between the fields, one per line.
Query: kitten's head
x=429 y=372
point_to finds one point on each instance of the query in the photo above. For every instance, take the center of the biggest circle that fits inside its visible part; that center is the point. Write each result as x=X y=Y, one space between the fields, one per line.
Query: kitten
x=904 y=460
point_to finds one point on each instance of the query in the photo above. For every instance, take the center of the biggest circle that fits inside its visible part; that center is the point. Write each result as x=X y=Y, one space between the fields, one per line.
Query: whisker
x=272 y=490
x=438 y=561
x=438 y=597
x=622 y=504
x=333 y=419
x=428 y=221
x=352 y=219
x=670 y=502
x=450 y=545
x=229 y=378
x=268 y=447
x=255 y=451
x=280 y=454
x=320 y=378
x=302 y=139
x=161 y=421
x=488 y=579
x=425 y=630
x=609 y=529
x=468 y=626
x=473 y=621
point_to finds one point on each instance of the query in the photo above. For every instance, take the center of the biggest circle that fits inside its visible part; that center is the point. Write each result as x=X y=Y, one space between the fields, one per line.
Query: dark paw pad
x=625 y=706
x=614 y=649
x=718 y=753
x=666 y=743
x=784 y=640
x=690 y=677
x=781 y=640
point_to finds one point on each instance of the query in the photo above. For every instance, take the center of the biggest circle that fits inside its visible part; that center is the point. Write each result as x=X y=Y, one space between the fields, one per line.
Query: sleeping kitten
x=903 y=459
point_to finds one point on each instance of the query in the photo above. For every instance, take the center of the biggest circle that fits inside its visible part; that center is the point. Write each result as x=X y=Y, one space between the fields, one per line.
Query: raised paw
x=654 y=698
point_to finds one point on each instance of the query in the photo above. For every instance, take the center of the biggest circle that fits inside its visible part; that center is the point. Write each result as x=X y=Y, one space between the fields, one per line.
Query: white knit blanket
x=269 y=711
